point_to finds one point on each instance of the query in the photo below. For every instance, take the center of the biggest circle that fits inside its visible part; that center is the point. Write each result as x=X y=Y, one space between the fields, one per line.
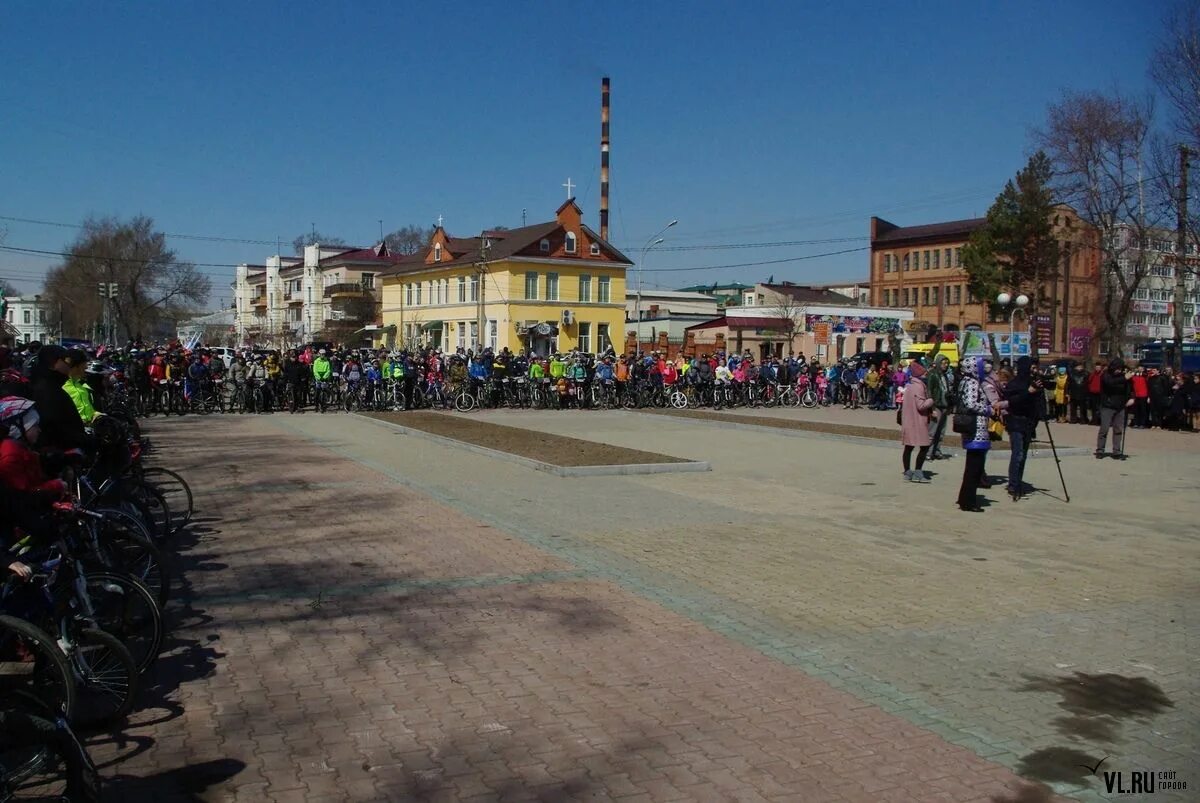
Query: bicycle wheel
x=122 y=548
x=808 y=399
x=464 y=402
x=678 y=399
x=31 y=662
x=28 y=758
x=151 y=503
x=175 y=490
x=124 y=607
x=107 y=677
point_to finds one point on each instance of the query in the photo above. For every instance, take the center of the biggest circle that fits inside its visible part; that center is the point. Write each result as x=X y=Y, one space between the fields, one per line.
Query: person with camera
x=1116 y=396
x=1019 y=405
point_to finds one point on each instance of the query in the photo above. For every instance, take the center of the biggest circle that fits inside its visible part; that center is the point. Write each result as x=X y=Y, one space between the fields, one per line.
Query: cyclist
x=577 y=374
x=558 y=368
x=295 y=373
x=197 y=375
x=63 y=428
x=78 y=389
x=850 y=383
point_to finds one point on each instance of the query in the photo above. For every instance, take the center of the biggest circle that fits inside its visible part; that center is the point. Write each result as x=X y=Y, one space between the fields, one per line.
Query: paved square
x=372 y=616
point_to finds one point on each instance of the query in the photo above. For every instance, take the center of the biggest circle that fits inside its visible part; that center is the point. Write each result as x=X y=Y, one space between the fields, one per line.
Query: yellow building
x=548 y=287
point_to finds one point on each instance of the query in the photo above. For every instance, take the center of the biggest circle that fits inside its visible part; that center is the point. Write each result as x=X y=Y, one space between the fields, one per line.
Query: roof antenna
x=523 y=218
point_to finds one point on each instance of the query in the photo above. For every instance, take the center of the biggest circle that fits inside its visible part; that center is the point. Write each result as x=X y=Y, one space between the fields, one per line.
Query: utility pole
x=482 y=322
x=1181 y=257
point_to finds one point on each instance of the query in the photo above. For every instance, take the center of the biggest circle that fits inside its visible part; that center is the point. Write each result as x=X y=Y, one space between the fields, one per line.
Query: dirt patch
x=950 y=439
x=557 y=450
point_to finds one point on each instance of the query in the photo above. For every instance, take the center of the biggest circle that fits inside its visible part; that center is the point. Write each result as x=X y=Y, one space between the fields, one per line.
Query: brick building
x=920 y=268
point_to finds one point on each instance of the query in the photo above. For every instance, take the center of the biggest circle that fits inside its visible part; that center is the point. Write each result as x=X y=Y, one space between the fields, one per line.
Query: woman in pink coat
x=914 y=423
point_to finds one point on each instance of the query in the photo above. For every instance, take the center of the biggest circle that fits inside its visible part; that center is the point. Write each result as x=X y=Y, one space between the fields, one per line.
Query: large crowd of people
x=982 y=399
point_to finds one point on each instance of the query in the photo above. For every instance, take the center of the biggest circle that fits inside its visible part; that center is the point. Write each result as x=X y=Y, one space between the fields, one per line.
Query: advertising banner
x=1079 y=341
x=852 y=323
x=1043 y=333
x=979 y=344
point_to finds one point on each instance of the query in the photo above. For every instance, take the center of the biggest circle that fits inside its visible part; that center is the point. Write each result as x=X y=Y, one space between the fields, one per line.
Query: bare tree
x=408 y=239
x=788 y=310
x=1175 y=68
x=153 y=286
x=315 y=237
x=1098 y=145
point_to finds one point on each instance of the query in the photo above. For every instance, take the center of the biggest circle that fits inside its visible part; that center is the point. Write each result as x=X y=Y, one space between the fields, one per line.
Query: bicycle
x=105 y=674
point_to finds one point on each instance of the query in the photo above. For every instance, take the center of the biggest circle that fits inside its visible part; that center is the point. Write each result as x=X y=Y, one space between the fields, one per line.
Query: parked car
x=873 y=358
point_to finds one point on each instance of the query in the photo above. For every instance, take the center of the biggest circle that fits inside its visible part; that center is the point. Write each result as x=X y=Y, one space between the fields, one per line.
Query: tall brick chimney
x=604 y=159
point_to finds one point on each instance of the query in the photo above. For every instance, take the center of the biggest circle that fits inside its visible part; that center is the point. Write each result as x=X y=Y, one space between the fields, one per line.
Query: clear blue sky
x=750 y=123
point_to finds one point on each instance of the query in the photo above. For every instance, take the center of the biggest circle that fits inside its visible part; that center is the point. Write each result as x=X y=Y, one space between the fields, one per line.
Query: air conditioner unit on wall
x=567 y=317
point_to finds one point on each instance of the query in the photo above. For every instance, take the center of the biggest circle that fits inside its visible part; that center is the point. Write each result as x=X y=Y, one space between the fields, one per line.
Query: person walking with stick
x=1115 y=398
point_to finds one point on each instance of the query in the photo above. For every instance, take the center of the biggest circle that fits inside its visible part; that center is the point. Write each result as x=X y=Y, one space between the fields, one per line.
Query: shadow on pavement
x=187 y=783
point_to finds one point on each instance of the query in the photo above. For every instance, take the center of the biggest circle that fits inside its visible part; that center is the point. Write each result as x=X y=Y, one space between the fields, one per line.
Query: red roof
x=378 y=253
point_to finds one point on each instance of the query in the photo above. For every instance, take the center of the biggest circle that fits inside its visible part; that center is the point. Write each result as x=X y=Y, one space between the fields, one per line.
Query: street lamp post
x=1018 y=303
x=655 y=240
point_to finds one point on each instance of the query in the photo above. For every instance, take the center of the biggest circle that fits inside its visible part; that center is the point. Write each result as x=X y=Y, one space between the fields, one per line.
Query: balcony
x=346 y=289
x=295 y=297
x=259 y=301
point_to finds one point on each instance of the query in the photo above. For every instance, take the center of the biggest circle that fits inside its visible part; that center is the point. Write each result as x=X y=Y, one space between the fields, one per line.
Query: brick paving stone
x=369 y=640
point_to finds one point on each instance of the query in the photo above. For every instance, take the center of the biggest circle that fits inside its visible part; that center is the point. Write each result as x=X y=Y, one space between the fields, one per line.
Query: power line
x=763 y=262
x=776 y=244
x=212 y=238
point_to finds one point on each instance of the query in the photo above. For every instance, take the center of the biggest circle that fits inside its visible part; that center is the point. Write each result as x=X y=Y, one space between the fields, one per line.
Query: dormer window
x=437 y=252
x=595 y=250
x=570 y=242
x=545 y=246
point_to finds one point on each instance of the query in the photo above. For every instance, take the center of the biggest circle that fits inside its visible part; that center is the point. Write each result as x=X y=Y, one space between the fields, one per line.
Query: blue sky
x=750 y=123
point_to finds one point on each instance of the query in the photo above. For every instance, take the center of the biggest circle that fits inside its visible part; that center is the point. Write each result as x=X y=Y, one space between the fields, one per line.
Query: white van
x=225 y=353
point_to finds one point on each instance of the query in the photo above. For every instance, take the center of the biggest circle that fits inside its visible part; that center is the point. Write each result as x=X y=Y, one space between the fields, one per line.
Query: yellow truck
x=921 y=351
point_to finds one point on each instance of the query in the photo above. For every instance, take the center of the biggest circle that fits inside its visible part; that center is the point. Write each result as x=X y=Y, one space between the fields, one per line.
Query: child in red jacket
x=21 y=472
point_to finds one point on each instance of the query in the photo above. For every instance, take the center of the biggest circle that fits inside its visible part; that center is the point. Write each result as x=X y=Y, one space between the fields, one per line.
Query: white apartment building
x=1153 y=313
x=29 y=316
x=328 y=293
x=670 y=311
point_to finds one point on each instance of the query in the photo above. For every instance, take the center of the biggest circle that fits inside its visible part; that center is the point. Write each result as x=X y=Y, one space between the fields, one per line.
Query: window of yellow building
x=552 y=287
x=585 y=337
x=531 y=283
x=462 y=289
x=602 y=339
x=474 y=288
x=585 y=288
x=604 y=290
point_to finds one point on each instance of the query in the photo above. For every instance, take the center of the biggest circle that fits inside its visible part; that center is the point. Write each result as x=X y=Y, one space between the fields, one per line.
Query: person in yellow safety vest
x=558 y=368
x=77 y=388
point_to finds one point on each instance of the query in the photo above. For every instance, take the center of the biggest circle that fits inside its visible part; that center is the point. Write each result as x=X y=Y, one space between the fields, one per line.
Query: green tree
x=1017 y=249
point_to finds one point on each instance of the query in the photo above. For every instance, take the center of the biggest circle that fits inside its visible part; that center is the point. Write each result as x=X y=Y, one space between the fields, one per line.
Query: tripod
x=1057 y=462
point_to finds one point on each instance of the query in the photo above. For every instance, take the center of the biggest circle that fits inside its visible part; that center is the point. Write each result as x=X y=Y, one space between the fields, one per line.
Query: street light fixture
x=655 y=240
x=1020 y=302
